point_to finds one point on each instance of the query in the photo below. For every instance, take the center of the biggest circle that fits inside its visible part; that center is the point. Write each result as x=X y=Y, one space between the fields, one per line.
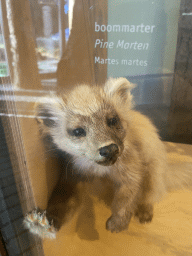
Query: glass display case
x=49 y=46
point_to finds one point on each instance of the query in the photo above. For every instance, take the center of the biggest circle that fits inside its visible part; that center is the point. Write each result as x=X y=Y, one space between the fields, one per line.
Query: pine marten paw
x=144 y=213
x=117 y=223
x=38 y=223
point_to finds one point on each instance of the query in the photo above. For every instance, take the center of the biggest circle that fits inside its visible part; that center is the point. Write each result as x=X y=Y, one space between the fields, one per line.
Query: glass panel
x=47 y=47
x=143 y=41
x=47 y=31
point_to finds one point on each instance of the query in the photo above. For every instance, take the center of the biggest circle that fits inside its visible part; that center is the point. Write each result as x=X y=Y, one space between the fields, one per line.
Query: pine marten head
x=89 y=121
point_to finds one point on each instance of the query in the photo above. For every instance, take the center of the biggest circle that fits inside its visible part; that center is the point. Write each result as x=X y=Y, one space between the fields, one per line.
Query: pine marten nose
x=109 y=151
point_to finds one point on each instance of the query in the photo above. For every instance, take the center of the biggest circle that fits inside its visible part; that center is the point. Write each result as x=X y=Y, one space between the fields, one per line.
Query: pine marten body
x=103 y=136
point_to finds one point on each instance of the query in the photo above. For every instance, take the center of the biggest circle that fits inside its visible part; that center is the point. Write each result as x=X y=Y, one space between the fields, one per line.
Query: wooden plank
x=22 y=45
x=77 y=64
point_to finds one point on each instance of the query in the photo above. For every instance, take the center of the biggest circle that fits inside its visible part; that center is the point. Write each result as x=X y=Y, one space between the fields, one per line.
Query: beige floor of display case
x=170 y=232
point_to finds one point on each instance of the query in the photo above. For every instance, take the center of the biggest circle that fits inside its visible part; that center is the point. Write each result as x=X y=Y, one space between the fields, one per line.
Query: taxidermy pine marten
x=101 y=135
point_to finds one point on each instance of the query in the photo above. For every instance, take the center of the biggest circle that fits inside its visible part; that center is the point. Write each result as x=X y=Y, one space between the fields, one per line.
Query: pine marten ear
x=119 y=89
x=48 y=111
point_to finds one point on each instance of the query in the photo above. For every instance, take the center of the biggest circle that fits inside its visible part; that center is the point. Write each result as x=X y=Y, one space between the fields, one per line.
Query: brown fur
x=115 y=143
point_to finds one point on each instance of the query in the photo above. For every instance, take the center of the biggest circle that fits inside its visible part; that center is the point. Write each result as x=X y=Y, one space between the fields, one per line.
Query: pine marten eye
x=78 y=132
x=112 y=121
